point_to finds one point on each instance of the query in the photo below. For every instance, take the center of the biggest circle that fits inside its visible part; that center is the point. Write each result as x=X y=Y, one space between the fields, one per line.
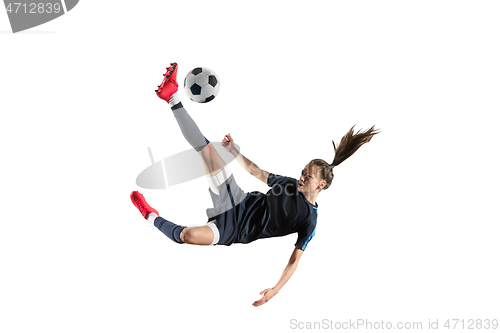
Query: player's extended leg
x=214 y=164
x=203 y=235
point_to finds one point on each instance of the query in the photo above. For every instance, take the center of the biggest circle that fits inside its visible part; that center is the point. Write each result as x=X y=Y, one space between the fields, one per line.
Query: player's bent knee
x=188 y=236
x=183 y=235
x=196 y=236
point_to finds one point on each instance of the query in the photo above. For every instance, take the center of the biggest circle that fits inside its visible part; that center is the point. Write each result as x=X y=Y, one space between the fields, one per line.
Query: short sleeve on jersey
x=304 y=236
x=273 y=179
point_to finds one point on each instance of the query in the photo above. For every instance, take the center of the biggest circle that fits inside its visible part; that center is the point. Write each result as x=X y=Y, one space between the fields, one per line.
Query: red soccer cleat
x=169 y=85
x=140 y=202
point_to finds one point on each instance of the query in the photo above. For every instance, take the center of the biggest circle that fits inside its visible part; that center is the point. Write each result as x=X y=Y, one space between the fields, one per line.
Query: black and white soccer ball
x=201 y=84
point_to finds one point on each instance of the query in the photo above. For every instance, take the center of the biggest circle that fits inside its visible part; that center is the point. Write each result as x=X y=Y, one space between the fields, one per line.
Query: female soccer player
x=239 y=217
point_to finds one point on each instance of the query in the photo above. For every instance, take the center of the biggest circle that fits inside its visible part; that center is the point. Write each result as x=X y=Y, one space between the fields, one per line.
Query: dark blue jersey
x=281 y=211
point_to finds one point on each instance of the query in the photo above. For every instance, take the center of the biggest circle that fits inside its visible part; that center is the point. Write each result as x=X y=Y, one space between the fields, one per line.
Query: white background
x=408 y=230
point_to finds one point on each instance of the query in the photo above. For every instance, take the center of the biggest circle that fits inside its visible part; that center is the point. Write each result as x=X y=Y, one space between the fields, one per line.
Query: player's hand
x=228 y=143
x=268 y=294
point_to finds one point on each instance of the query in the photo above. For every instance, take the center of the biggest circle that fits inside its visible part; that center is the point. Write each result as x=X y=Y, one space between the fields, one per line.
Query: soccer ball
x=201 y=84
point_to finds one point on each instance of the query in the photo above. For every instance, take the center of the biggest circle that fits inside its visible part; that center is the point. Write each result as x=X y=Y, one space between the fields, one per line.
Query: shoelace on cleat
x=139 y=206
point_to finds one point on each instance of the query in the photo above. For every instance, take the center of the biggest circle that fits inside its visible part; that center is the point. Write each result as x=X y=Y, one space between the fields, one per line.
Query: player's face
x=310 y=179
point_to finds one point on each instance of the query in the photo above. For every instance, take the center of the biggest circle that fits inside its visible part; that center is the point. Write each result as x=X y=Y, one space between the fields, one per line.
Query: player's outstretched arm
x=252 y=168
x=287 y=273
